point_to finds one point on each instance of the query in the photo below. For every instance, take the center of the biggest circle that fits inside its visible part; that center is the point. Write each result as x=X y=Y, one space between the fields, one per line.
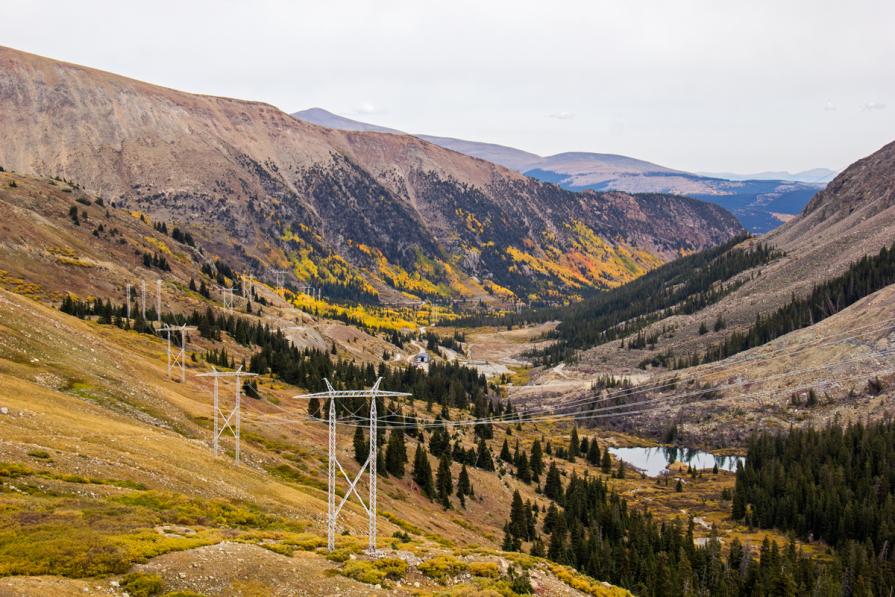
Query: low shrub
x=484 y=569
x=441 y=568
x=138 y=584
x=375 y=572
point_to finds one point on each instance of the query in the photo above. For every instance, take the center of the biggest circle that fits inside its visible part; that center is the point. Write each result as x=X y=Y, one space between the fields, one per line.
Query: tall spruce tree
x=553 y=484
x=593 y=453
x=464 y=486
x=395 y=453
x=523 y=471
x=518 y=527
x=505 y=452
x=537 y=459
x=573 y=444
x=483 y=458
x=361 y=446
x=443 y=482
x=422 y=472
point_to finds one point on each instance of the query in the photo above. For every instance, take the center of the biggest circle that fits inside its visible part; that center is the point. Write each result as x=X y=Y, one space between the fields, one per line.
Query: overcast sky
x=702 y=86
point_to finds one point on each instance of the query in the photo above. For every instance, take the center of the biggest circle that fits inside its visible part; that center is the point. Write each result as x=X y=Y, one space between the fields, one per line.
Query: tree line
x=445 y=384
x=832 y=484
x=587 y=525
x=864 y=277
x=684 y=285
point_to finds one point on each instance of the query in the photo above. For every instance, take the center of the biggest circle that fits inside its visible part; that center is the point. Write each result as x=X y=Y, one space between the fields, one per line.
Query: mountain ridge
x=312 y=198
x=760 y=204
x=814 y=175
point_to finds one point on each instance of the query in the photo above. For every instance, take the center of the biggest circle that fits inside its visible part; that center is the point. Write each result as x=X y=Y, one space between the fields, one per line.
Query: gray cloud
x=692 y=87
x=367 y=109
x=872 y=106
x=562 y=115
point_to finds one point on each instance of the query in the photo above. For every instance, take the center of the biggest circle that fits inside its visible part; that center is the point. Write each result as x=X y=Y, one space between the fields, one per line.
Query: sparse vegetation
x=375 y=572
x=441 y=568
x=867 y=275
x=142 y=585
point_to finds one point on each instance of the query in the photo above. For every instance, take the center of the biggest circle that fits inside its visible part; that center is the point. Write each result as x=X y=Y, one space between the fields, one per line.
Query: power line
x=229 y=420
x=178 y=357
x=728 y=366
x=602 y=411
x=551 y=412
x=569 y=417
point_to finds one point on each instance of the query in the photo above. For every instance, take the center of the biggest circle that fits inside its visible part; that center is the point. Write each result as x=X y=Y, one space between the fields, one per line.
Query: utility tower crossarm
x=279 y=276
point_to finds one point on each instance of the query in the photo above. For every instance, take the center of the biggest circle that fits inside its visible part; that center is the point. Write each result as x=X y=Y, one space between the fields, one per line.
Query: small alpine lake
x=654 y=461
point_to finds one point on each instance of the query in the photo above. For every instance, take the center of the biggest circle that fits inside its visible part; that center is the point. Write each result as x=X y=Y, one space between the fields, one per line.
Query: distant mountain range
x=821 y=175
x=760 y=201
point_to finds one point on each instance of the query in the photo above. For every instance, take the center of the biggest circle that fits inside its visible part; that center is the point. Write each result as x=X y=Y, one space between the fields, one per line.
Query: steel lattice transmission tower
x=158 y=301
x=369 y=466
x=227 y=297
x=223 y=420
x=178 y=357
x=279 y=276
x=246 y=286
x=143 y=299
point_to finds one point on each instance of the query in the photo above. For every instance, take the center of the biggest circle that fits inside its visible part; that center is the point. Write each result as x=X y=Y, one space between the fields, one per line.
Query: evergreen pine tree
x=550 y=518
x=553 y=484
x=510 y=543
x=518 y=527
x=505 y=452
x=537 y=548
x=537 y=459
x=523 y=471
x=395 y=453
x=593 y=453
x=573 y=444
x=557 y=549
x=443 y=482
x=361 y=447
x=483 y=457
x=464 y=487
x=422 y=472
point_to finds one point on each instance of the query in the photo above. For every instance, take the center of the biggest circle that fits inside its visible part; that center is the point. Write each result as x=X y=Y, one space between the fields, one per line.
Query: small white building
x=421 y=361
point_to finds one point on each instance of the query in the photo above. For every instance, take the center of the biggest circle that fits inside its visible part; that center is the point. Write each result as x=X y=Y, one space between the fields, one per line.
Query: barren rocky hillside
x=854 y=217
x=261 y=187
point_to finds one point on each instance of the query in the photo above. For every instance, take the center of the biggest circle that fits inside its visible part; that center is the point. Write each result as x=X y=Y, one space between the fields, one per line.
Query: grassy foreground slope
x=106 y=465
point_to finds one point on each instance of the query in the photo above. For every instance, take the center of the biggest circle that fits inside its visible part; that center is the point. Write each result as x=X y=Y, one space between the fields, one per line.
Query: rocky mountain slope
x=760 y=203
x=852 y=218
x=107 y=480
x=262 y=188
